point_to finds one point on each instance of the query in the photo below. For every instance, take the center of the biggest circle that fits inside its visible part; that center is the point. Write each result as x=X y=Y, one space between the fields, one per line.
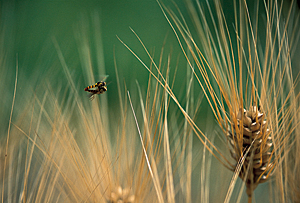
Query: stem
x=249 y=199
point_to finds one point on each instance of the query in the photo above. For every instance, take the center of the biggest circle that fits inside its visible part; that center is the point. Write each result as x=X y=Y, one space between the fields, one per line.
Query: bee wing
x=108 y=83
x=91 y=96
x=101 y=78
x=104 y=78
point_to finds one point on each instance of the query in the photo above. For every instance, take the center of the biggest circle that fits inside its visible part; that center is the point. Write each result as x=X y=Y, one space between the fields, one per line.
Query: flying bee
x=98 y=88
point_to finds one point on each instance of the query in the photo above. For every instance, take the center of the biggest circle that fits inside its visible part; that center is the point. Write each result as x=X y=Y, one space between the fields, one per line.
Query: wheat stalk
x=68 y=153
x=255 y=112
x=249 y=86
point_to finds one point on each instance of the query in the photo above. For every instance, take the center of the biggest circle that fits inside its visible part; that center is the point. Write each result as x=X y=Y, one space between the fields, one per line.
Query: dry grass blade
x=249 y=106
x=8 y=133
x=153 y=174
x=167 y=156
x=239 y=79
x=195 y=128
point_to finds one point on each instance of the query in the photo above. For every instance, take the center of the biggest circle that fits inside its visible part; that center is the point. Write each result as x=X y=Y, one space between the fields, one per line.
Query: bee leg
x=92 y=96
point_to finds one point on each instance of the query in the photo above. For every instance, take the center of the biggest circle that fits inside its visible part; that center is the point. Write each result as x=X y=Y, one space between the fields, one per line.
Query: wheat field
x=214 y=119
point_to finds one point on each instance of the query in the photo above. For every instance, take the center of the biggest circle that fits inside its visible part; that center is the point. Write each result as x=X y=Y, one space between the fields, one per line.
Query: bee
x=98 y=88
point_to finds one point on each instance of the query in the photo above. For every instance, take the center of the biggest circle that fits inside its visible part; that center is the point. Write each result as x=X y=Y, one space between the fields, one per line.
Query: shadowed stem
x=250 y=199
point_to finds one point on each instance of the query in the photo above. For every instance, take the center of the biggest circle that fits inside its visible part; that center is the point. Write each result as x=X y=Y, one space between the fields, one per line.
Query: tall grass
x=61 y=147
x=249 y=76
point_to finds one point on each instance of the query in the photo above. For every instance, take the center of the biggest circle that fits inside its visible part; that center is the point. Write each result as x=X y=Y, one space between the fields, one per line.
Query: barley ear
x=250 y=131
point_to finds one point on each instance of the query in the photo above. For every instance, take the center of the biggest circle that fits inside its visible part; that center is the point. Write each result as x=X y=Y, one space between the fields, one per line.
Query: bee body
x=100 y=88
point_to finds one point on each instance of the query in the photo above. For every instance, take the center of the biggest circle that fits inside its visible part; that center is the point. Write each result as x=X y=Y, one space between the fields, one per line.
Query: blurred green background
x=29 y=29
x=84 y=30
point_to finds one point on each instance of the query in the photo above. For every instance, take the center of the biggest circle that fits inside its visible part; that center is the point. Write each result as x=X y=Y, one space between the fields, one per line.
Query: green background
x=28 y=29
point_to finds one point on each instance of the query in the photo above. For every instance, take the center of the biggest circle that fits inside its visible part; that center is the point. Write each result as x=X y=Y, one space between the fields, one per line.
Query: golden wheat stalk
x=66 y=151
x=257 y=115
x=249 y=85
